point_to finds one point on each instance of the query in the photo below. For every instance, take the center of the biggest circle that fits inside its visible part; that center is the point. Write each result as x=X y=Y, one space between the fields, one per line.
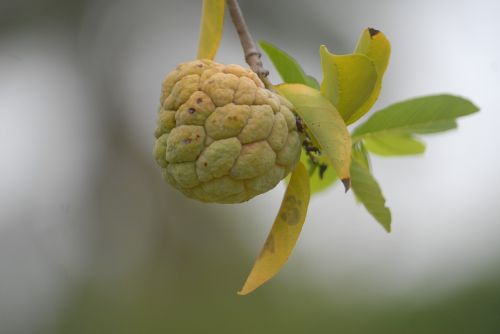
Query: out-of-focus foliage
x=394 y=144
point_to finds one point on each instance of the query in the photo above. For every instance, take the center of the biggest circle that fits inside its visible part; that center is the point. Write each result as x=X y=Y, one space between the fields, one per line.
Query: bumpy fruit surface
x=222 y=137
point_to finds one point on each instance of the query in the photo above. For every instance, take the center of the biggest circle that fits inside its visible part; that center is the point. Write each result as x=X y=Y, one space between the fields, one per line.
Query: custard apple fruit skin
x=221 y=136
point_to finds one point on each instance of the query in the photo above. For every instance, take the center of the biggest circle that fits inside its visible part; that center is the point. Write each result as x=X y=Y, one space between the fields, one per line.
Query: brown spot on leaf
x=199 y=100
x=373 y=32
x=269 y=245
x=291 y=210
x=347 y=184
x=191 y=110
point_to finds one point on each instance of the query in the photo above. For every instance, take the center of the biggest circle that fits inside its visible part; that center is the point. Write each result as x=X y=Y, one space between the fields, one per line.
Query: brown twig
x=252 y=53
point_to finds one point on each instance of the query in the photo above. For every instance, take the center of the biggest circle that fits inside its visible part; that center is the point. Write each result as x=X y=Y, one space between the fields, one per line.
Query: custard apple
x=221 y=136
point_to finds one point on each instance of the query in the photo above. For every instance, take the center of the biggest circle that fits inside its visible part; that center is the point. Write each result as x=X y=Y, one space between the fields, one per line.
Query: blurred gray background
x=93 y=241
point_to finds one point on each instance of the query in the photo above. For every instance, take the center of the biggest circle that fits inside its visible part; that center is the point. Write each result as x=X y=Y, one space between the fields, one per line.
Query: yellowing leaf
x=348 y=81
x=212 y=24
x=325 y=124
x=389 y=144
x=284 y=233
x=375 y=46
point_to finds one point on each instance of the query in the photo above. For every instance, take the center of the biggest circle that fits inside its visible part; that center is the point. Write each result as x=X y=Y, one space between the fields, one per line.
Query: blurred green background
x=93 y=241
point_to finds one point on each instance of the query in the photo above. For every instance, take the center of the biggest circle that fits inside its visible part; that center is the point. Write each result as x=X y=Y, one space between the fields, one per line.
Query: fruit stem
x=250 y=49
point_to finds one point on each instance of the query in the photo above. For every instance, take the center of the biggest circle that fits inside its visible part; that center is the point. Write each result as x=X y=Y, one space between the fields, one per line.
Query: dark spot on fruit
x=199 y=100
x=205 y=164
x=200 y=65
x=191 y=110
x=373 y=32
x=186 y=141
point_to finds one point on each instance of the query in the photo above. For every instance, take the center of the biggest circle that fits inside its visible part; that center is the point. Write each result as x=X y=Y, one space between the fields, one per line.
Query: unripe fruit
x=222 y=137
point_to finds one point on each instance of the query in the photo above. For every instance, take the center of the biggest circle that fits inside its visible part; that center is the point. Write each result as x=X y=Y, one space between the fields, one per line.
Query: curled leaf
x=375 y=45
x=348 y=81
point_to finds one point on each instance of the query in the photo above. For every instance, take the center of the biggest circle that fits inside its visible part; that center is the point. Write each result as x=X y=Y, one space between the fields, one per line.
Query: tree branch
x=252 y=53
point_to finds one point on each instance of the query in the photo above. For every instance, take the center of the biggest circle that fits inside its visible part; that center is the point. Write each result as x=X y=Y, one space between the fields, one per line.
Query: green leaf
x=325 y=124
x=212 y=24
x=360 y=153
x=284 y=233
x=312 y=82
x=375 y=46
x=389 y=144
x=288 y=68
x=348 y=81
x=368 y=192
x=427 y=114
x=436 y=127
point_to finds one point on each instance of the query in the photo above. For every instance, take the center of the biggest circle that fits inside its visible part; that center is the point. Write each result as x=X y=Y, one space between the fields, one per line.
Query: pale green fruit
x=222 y=137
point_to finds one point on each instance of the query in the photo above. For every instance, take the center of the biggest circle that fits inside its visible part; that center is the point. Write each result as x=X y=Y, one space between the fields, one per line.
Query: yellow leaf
x=284 y=233
x=375 y=46
x=348 y=81
x=325 y=124
x=212 y=24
